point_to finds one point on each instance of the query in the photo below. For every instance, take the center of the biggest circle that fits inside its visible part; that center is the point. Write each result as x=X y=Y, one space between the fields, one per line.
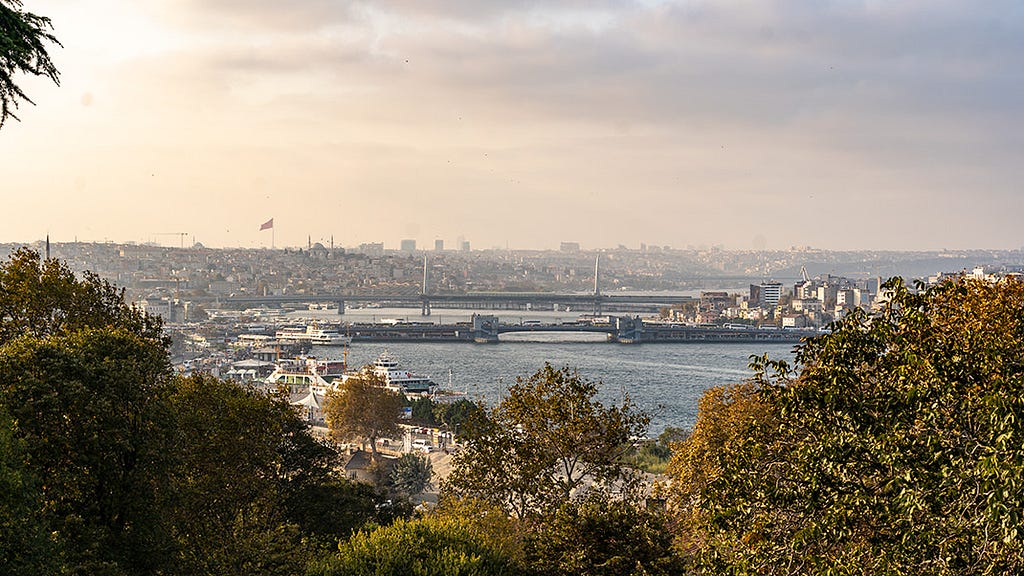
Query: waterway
x=666 y=380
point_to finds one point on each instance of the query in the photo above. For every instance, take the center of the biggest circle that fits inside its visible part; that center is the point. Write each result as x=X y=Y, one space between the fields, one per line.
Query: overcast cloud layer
x=871 y=124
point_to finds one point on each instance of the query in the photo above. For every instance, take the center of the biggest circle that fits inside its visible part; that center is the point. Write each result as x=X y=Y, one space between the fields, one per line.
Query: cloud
x=734 y=111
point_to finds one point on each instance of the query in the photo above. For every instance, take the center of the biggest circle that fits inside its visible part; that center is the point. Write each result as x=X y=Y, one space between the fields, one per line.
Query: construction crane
x=181 y=235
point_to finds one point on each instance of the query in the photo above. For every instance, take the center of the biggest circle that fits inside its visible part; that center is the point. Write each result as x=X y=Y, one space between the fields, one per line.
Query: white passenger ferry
x=395 y=378
x=306 y=375
x=313 y=335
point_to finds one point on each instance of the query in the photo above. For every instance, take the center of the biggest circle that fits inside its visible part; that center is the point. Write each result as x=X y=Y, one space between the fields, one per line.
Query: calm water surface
x=667 y=380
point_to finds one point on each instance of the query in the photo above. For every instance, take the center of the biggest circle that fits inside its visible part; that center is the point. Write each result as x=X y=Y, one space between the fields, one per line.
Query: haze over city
x=842 y=125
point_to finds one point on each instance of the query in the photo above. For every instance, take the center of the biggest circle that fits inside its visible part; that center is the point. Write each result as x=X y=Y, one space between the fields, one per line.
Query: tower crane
x=181 y=235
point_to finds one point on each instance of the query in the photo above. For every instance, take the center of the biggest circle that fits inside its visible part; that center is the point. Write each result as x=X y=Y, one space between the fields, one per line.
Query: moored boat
x=314 y=335
x=394 y=377
x=306 y=375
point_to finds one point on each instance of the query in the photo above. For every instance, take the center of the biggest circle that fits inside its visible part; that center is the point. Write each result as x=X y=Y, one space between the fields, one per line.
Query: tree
x=251 y=483
x=455 y=414
x=602 y=536
x=26 y=548
x=91 y=423
x=44 y=297
x=543 y=443
x=23 y=39
x=363 y=408
x=438 y=545
x=410 y=475
x=110 y=464
x=896 y=446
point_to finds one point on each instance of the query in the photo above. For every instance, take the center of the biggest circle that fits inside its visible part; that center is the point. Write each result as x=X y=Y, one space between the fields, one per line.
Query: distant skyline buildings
x=461 y=244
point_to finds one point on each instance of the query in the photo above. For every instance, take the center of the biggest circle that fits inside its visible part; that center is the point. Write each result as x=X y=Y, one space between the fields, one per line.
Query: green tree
x=601 y=536
x=543 y=443
x=410 y=475
x=423 y=410
x=90 y=419
x=335 y=507
x=26 y=548
x=439 y=545
x=252 y=482
x=44 y=298
x=109 y=464
x=454 y=415
x=363 y=408
x=23 y=40
x=896 y=447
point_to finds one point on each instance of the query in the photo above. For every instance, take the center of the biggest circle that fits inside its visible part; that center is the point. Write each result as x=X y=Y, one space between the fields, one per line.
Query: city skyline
x=851 y=125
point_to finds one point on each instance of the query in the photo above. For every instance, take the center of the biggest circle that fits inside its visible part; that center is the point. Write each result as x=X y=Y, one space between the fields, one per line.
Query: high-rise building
x=408 y=245
x=438 y=245
x=770 y=293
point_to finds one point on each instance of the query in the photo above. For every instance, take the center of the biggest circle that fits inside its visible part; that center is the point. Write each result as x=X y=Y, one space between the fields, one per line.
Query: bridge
x=595 y=303
x=486 y=328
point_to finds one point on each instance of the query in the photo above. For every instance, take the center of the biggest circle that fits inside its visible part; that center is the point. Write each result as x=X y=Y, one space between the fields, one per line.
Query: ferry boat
x=303 y=375
x=395 y=378
x=313 y=335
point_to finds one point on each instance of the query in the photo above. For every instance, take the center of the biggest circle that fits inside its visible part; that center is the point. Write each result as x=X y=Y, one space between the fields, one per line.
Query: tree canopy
x=44 y=298
x=438 y=545
x=543 y=443
x=896 y=446
x=112 y=464
x=23 y=41
x=410 y=475
x=89 y=414
x=362 y=408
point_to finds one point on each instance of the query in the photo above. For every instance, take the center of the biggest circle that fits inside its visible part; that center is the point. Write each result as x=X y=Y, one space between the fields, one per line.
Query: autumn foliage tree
x=895 y=446
x=362 y=408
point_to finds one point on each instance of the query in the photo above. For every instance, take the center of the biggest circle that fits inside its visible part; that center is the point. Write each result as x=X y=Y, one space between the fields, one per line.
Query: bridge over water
x=595 y=301
x=591 y=303
x=485 y=328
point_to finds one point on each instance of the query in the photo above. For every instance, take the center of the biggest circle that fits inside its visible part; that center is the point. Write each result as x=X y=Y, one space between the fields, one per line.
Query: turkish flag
x=267 y=225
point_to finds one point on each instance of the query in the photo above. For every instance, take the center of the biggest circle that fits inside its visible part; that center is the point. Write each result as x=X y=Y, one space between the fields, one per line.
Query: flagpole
x=271 y=237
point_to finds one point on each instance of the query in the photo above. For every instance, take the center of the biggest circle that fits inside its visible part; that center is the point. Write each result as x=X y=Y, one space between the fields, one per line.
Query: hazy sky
x=836 y=124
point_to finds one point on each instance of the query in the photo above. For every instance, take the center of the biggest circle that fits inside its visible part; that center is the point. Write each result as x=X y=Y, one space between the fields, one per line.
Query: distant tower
x=597 y=276
x=424 y=292
x=425 y=311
